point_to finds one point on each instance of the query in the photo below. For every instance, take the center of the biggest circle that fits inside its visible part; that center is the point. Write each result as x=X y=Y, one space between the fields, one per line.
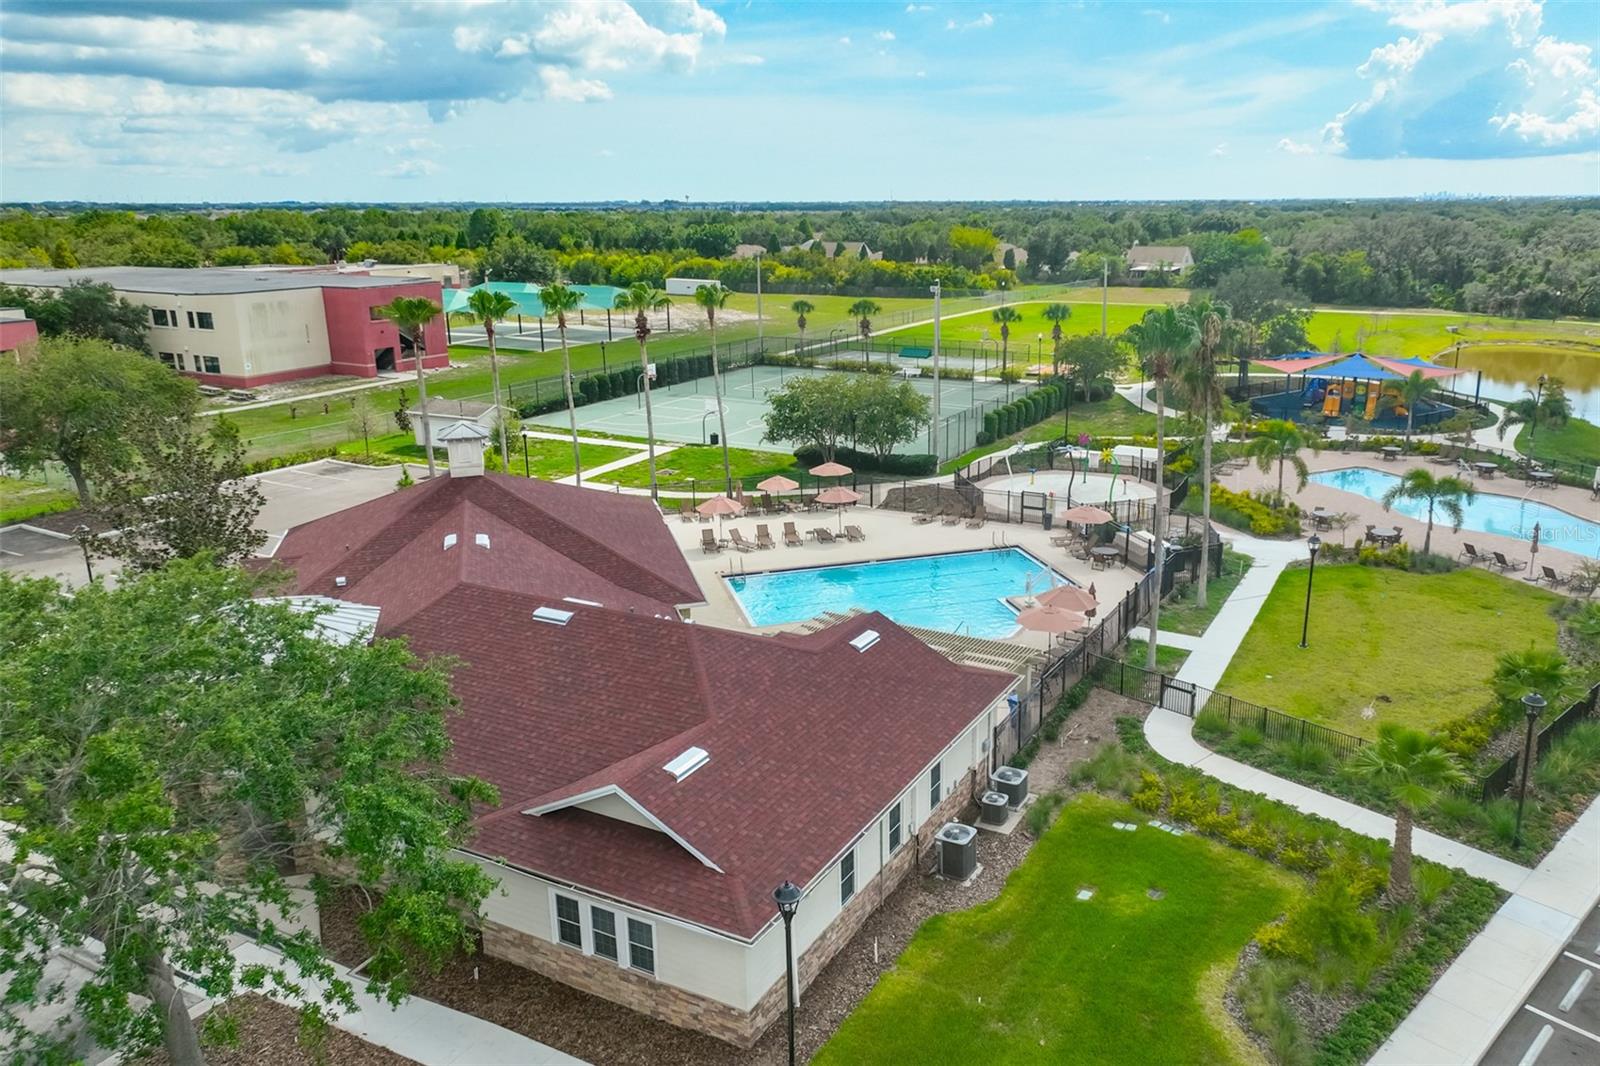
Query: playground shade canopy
x=525 y=294
x=1356 y=367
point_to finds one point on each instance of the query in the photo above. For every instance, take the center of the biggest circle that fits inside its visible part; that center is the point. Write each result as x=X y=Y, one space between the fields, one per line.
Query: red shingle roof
x=808 y=738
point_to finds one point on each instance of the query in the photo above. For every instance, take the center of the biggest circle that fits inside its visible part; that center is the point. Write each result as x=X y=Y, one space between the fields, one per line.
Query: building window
x=191 y=319
x=203 y=320
x=847 y=876
x=641 y=946
x=212 y=363
x=168 y=359
x=894 y=828
x=569 y=924
x=180 y=361
x=933 y=788
x=603 y=927
x=160 y=316
x=375 y=312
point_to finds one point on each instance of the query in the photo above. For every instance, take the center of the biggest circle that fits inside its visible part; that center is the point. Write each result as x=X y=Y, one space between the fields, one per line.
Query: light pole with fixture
x=787 y=897
x=1538 y=398
x=1534 y=705
x=1305 y=626
x=81 y=533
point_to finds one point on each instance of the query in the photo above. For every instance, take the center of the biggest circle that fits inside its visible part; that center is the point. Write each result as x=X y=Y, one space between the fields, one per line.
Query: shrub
x=1111 y=770
x=1043 y=812
x=1246 y=511
x=1212 y=724
x=1264 y=996
x=919 y=465
x=278 y=462
x=1304 y=755
x=1248 y=737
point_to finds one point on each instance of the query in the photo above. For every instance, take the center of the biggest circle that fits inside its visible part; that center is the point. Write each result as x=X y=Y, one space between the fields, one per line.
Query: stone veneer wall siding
x=688 y=1010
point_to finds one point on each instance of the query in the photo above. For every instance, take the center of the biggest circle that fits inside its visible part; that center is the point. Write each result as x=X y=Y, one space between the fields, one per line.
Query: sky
x=496 y=100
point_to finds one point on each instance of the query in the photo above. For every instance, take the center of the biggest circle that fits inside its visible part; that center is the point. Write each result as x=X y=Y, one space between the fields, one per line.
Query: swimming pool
x=1508 y=516
x=962 y=592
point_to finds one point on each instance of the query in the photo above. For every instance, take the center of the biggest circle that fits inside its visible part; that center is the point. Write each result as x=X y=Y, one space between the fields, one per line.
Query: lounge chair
x=739 y=541
x=922 y=518
x=686 y=511
x=1550 y=575
x=950 y=518
x=708 y=541
x=1472 y=554
x=824 y=535
x=1505 y=564
x=854 y=533
x=977 y=520
x=791 y=537
x=763 y=537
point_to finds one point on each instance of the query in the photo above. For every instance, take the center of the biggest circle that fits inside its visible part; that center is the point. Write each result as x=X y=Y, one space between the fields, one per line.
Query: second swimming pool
x=961 y=592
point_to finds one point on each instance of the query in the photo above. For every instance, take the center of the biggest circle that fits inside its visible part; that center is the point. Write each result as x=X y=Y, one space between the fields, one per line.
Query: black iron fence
x=1500 y=780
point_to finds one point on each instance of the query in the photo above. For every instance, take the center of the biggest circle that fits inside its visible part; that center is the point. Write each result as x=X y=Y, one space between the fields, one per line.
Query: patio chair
x=708 y=541
x=1550 y=575
x=824 y=535
x=766 y=503
x=686 y=511
x=739 y=541
x=1472 y=554
x=950 y=518
x=854 y=533
x=977 y=520
x=1505 y=564
x=1581 y=582
x=922 y=518
x=764 y=537
x=791 y=536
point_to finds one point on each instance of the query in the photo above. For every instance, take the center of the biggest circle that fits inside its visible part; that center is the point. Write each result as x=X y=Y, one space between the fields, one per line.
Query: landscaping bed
x=268 y=1034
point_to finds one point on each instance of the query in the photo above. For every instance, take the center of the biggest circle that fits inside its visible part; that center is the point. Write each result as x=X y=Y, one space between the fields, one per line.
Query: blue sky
x=497 y=100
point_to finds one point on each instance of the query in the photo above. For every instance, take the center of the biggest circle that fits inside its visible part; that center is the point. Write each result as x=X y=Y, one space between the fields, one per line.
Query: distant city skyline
x=183 y=101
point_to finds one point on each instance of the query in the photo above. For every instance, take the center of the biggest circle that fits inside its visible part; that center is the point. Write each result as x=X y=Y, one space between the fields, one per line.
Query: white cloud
x=982 y=22
x=912 y=9
x=844 y=40
x=884 y=35
x=1220 y=150
x=1521 y=17
x=1580 y=124
x=1296 y=147
x=410 y=168
x=1160 y=16
x=561 y=84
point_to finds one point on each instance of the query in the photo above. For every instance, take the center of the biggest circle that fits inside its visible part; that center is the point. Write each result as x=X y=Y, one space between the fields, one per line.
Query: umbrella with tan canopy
x=1085 y=515
x=839 y=497
x=1070 y=598
x=778 y=483
x=1052 y=620
x=829 y=469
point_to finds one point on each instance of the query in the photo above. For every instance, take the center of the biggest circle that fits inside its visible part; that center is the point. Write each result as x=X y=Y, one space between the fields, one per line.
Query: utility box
x=1013 y=782
x=995 y=806
x=958 y=851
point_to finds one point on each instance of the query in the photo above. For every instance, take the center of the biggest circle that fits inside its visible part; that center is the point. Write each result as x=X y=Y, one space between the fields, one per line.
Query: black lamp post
x=81 y=532
x=1305 y=626
x=787 y=897
x=1534 y=704
x=1538 y=398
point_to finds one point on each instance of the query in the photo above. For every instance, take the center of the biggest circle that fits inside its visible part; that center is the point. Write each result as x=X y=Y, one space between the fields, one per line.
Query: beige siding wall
x=255 y=333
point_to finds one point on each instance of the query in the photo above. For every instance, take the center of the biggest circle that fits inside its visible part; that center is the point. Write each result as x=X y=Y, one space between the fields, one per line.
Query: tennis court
x=686 y=412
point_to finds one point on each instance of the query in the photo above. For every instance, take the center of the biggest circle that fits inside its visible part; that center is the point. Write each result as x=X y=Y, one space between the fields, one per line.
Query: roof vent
x=481 y=540
x=552 y=615
x=340 y=582
x=687 y=763
x=449 y=541
x=865 y=640
x=586 y=603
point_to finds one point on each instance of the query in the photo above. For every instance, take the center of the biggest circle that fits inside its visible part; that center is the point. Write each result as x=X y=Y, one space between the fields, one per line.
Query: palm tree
x=1161 y=337
x=1277 y=440
x=1005 y=316
x=411 y=315
x=1057 y=314
x=1549 y=405
x=713 y=298
x=1197 y=383
x=801 y=309
x=1410 y=392
x=1412 y=768
x=490 y=306
x=558 y=300
x=862 y=311
x=641 y=299
x=1446 y=493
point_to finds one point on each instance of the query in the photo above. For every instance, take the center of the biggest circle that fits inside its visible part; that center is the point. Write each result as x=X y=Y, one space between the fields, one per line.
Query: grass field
x=23 y=498
x=1576 y=442
x=1036 y=976
x=703 y=465
x=544 y=458
x=1420 y=648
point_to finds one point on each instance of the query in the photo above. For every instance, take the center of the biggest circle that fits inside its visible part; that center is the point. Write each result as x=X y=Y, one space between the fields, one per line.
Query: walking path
x=1458 y=1019
x=627 y=460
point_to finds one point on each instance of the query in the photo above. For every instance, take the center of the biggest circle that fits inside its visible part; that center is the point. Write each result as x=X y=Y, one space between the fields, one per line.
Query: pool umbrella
x=778 y=483
x=721 y=506
x=829 y=470
x=1052 y=620
x=1533 y=554
x=1086 y=515
x=1070 y=598
x=839 y=497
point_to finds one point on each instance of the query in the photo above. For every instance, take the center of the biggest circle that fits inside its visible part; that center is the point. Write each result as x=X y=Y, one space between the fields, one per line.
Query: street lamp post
x=787 y=897
x=1305 y=626
x=1533 y=704
x=81 y=533
x=937 y=288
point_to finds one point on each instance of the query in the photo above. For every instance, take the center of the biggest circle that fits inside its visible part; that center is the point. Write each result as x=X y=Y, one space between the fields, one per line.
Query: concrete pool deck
x=890 y=535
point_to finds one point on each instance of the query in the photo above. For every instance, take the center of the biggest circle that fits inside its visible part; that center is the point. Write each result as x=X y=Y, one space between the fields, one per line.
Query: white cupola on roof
x=464 y=442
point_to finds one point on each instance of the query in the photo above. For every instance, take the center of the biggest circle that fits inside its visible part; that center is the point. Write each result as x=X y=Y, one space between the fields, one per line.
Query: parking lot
x=1559 y=1024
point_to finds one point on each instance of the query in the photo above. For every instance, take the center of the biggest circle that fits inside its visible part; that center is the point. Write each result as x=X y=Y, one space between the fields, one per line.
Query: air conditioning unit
x=958 y=851
x=995 y=806
x=1013 y=782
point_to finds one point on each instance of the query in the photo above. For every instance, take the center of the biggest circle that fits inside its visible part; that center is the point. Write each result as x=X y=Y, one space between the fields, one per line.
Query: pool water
x=961 y=592
x=1508 y=516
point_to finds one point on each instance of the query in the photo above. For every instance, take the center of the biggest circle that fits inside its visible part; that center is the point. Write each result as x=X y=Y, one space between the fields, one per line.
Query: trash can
x=1048 y=520
x=715 y=440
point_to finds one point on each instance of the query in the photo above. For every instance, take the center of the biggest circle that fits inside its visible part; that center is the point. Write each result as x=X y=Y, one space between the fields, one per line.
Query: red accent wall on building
x=353 y=334
x=15 y=332
x=250 y=381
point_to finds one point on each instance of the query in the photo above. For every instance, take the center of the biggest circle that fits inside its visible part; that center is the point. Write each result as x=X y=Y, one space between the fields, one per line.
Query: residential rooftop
x=201 y=281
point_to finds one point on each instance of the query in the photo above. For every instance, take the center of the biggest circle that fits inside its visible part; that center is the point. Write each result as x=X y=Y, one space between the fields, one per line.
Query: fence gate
x=1036 y=503
x=1177 y=695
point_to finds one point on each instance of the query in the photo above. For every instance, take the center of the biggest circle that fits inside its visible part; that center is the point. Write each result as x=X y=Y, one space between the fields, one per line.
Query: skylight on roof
x=866 y=639
x=687 y=763
x=552 y=615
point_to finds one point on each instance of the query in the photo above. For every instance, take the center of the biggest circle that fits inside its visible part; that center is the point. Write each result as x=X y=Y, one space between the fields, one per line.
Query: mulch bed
x=67 y=521
x=604 y=1033
x=269 y=1035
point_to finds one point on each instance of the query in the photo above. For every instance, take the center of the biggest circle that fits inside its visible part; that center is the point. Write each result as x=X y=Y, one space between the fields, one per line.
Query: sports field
x=686 y=412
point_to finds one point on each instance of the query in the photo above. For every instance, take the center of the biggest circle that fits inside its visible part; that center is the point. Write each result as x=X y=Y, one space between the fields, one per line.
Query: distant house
x=1148 y=258
x=1019 y=254
x=749 y=251
x=837 y=249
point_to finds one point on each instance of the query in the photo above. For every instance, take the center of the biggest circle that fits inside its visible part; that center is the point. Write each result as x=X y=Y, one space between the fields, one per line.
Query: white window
x=641 y=946
x=894 y=828
x=167 y=359
x=201 y=320
x=213 y=364
x=847 y=876
x=160 y=316
x=933 y=788
x=603 y=926
x=180 y=362
x=569 y=922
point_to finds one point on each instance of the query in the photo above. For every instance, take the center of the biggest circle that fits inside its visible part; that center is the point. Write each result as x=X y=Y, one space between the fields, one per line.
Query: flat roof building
x=239 y=327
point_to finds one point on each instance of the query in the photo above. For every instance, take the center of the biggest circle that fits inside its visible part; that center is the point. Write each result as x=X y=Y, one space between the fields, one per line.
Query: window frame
x=212 y=364
x=622 y=935
x=160 y=316
x=595 y=933
x=896 y=828
x=847 y=878
x=650 y=931
x=935 y=786
x=204 y=320
x=168 y=359
x=557 y=920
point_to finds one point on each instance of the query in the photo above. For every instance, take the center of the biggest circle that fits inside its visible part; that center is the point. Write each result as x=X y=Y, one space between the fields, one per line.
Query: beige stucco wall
x=256 y=333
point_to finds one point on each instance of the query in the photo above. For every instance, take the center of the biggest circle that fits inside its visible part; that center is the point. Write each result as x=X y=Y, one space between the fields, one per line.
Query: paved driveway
x=1559 y=1023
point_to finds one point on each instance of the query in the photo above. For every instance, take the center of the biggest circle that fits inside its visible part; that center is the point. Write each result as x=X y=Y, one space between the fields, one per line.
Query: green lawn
x=1035 y=976
x=1426 y=641
x=1576 y=442
x=22 y=499
x=547 y=459
x=1168 y=659
x=1180 y=614
x=703 y=464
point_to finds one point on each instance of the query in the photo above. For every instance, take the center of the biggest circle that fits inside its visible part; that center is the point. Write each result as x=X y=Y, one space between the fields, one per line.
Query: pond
x=1510 y=370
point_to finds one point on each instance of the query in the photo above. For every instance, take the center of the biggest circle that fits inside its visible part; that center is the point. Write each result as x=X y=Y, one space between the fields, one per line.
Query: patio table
x=1103 y=556
x=1389 y=452
x=1542 y=478
x=1384 y=534
x=1321 y=518
x=1484 y=470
